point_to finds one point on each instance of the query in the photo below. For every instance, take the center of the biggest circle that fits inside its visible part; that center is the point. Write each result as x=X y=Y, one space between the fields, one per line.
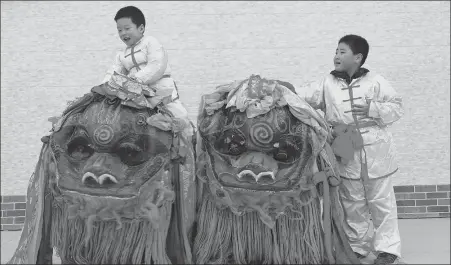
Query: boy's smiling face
x=128 y=31
x=345 y=60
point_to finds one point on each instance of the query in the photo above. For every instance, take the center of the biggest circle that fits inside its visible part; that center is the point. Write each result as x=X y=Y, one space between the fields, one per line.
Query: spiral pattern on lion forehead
x=261 y=134
x=103 y=135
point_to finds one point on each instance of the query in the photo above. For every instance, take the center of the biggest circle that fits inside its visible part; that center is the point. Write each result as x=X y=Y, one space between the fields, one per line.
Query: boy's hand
x=132 y=76
x=360 y=110
x=136 y=79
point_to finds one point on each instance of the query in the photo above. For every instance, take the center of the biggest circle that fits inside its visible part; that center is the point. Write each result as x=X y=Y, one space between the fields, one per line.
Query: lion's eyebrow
x=133 y=146
x=78 y=126
x=76 y=130
x=129 y=137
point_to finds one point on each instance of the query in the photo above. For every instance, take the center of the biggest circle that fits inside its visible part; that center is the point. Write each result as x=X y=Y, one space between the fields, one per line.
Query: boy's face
x=128 y=31
x=344 y=59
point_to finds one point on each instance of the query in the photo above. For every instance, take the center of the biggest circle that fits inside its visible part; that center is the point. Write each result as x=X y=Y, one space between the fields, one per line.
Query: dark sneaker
x=359 y=256
x=386 y=258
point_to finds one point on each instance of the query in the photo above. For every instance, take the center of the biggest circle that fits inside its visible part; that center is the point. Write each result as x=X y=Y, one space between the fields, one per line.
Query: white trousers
x=376 y=199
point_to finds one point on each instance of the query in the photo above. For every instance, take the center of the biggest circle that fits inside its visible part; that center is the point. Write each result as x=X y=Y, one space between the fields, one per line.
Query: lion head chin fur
x=296 y=238
x=96 y=238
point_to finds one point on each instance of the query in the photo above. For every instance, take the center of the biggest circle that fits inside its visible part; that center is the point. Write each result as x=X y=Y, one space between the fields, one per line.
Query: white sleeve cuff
x=373 y=111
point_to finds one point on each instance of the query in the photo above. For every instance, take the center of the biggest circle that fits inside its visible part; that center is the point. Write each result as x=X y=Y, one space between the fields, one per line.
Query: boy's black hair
x=133 y=13
x=357 y=45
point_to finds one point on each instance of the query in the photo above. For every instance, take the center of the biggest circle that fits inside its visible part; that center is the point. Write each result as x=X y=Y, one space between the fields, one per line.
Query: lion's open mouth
x=101 y=185
x=105 y=185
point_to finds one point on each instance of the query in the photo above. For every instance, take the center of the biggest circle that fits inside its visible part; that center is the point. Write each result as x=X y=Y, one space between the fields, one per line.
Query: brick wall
x=414 y=201
x=423 y=201
x=13 y=212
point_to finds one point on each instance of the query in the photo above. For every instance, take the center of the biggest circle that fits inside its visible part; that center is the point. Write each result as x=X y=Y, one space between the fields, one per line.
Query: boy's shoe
x=386 y=258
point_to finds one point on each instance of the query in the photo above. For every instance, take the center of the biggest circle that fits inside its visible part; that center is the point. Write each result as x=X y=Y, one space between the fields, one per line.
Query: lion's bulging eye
x=80 y=148
x=286 y=151
x=231 y=143
x=130 y=154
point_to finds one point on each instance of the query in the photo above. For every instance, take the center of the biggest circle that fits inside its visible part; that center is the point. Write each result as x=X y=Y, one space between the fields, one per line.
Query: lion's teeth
x=261 y=174
x=104 y=177
x=244 y=172
x=88 y=175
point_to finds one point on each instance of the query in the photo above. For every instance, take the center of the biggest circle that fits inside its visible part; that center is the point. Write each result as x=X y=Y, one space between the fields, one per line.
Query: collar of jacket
x=343 y=75
x=134 y=45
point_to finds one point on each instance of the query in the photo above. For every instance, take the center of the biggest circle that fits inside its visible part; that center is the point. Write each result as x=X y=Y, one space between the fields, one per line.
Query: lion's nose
x=103 y=181
x=264 y=178
x=89 y=179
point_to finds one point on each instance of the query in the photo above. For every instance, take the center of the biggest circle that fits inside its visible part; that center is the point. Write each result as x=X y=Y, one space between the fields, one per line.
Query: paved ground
x=425 y=241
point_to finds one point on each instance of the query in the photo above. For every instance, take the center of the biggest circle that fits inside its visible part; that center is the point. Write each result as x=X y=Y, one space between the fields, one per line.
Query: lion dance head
x=258 y=148
x=117 y=186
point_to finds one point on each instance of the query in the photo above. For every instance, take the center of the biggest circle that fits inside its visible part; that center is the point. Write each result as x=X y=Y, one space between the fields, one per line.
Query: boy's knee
x=177 y=109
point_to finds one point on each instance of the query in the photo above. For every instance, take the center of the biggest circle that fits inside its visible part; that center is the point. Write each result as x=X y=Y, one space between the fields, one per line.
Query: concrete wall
x=52 y=52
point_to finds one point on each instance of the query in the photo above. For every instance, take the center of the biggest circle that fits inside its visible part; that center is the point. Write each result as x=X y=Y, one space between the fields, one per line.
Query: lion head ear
x=34 y=245
x=45 y=139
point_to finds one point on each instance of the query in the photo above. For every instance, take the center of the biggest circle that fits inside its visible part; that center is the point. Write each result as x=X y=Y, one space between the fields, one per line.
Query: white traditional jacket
x=334 y=97
x=148 y=61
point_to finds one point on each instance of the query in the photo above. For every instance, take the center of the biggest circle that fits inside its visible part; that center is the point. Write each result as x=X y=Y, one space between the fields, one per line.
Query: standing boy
x=360 y=105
